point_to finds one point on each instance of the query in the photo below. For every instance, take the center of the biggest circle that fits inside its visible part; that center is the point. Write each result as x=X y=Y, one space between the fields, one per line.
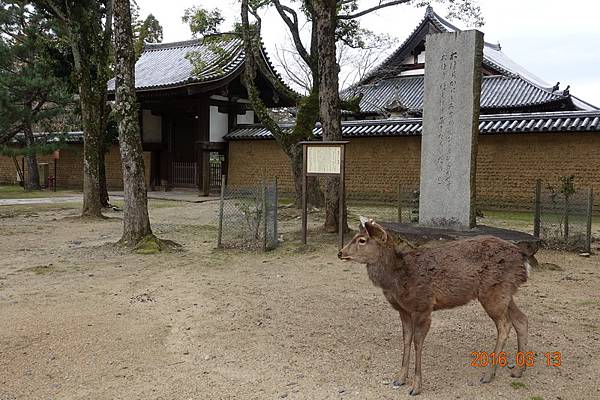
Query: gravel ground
x=80 y=319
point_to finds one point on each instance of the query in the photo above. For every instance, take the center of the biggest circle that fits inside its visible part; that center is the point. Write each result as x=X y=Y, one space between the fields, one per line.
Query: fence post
x=220 y=233
x=264 y=211
x=399 y=203
x=566 y=219
x=590 y=209
x=276 y=204
x=537 y=208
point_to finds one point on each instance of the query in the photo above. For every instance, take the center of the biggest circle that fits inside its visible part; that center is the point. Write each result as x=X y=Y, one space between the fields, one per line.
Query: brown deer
x=420 y=281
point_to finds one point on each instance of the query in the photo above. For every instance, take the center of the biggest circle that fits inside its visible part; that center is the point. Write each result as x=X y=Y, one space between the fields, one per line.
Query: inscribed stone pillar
x=450 y=129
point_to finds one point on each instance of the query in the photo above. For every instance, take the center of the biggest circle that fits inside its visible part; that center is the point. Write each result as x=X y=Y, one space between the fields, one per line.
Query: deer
x=422 y=280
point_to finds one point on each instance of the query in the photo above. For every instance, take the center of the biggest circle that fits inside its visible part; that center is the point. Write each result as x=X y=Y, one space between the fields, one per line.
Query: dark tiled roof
x=68 y=137
x=165 y=65
x=525 y=90
x=497 y=92
x=566 y=122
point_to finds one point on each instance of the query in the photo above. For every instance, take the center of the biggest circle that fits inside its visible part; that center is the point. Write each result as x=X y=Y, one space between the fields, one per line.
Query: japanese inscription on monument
x=450 y=128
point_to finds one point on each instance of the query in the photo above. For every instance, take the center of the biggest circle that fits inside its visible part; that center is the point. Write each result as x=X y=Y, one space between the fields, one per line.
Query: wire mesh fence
x=248 y=216
x=564 y=215
x=402 y=206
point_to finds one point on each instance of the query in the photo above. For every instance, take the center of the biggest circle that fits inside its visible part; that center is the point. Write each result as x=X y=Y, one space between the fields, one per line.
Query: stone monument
x=450 y=129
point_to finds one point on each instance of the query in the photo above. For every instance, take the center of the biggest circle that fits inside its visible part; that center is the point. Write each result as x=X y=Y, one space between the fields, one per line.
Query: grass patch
x=41 y=269
x=589 y=303
x=536 y=398
x=33 y=210
x=518 y=385
x=17 y=192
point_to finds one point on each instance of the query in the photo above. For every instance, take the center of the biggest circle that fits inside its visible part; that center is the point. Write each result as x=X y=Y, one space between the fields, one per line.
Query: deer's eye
x=362 y=241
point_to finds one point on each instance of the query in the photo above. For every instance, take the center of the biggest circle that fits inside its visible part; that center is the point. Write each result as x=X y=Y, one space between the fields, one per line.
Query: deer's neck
x=386 y=272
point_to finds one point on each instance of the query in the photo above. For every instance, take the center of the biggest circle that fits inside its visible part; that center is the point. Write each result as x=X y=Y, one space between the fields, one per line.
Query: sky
x=554 y=39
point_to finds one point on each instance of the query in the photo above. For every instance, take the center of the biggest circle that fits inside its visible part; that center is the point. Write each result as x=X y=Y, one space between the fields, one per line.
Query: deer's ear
x=363 y=221
x=376 y=231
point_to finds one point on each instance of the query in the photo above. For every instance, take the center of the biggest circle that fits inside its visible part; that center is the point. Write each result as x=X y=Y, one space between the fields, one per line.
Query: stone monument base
x=420 y=235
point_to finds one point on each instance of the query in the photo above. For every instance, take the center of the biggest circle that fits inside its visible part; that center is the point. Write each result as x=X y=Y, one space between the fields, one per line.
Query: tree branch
x=370 y=10
x=294 y=30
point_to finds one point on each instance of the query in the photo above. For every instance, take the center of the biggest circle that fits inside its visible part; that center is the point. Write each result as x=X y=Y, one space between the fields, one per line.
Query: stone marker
x=450 y=129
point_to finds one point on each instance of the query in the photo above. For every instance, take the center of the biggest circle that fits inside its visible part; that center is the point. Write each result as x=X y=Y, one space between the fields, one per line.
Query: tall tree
x=146 y=31
x=87 y=26
x=337 y=19
x=136 y=222
x=34 y=84
x=307 y=106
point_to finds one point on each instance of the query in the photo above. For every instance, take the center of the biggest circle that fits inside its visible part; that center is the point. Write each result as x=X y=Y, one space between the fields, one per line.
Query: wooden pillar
x=206 y=172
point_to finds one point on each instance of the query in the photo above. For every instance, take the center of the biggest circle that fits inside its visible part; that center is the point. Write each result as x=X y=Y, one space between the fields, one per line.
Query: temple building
x=529 y=129
x=198 y=125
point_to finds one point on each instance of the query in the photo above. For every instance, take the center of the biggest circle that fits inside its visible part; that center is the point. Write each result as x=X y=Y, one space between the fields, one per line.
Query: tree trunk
x=92 y=144
x=104 y=200
x=136 y=221
x=329 y=100
x=33 y=178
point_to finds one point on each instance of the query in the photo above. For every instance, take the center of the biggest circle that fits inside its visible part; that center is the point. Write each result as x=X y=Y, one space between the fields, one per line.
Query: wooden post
x=537 y=205
x=342 y=194
x=590 y=210
x=304 y=205
x=55 y=160
x=399 y=203
x=220 y=233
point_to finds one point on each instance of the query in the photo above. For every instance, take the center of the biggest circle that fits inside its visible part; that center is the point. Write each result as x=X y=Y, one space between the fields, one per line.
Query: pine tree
x=33 y=78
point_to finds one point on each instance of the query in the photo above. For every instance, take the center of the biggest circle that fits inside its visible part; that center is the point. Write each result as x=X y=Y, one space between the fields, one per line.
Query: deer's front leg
x=421 y=324
x=407 y=336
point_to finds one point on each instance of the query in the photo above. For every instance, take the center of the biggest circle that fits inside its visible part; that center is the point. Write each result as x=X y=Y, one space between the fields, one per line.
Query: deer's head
x=366 y=246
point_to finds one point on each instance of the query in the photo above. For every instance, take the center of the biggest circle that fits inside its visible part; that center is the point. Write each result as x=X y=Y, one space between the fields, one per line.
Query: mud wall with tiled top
x=507 y=165
x=70 y=168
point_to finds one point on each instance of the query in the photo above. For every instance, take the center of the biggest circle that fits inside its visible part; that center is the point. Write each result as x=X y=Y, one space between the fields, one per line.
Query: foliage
x=203 y=22
x=34 y=71
x=147 y=31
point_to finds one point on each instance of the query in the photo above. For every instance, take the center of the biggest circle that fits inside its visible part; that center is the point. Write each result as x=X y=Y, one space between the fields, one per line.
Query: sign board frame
x=325 y=166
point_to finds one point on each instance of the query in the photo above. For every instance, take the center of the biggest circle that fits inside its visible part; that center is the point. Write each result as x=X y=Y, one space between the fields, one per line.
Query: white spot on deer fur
x=527 y=267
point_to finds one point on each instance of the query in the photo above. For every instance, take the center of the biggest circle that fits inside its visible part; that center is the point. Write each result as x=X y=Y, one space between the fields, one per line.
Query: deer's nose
x=339 y=254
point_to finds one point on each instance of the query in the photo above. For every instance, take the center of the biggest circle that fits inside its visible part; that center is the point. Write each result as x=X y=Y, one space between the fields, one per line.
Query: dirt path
x=80 y=320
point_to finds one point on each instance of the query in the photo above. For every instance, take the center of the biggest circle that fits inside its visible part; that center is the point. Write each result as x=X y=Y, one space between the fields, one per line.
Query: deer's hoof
x=516 y=373
x=414 y=392
x=486 y=378
x=397 y=383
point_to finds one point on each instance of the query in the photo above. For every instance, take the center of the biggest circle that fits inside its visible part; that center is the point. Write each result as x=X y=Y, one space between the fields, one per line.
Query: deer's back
x=463 y=270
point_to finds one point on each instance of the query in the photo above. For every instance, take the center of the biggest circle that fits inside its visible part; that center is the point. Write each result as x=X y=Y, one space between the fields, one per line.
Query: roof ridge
x=185 y=43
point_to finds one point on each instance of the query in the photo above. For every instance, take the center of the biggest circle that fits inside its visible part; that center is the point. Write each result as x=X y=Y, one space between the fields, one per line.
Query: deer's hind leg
x=519 y=321
x=407 y=337
x=495 y=302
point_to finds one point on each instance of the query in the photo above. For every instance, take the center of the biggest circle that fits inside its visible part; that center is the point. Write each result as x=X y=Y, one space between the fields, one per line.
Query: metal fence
x=402 y=206
x=248 y=216
x=563 y=216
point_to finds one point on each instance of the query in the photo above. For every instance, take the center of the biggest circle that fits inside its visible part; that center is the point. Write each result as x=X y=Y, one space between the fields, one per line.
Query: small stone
x=584 y=255
x=206 y=357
